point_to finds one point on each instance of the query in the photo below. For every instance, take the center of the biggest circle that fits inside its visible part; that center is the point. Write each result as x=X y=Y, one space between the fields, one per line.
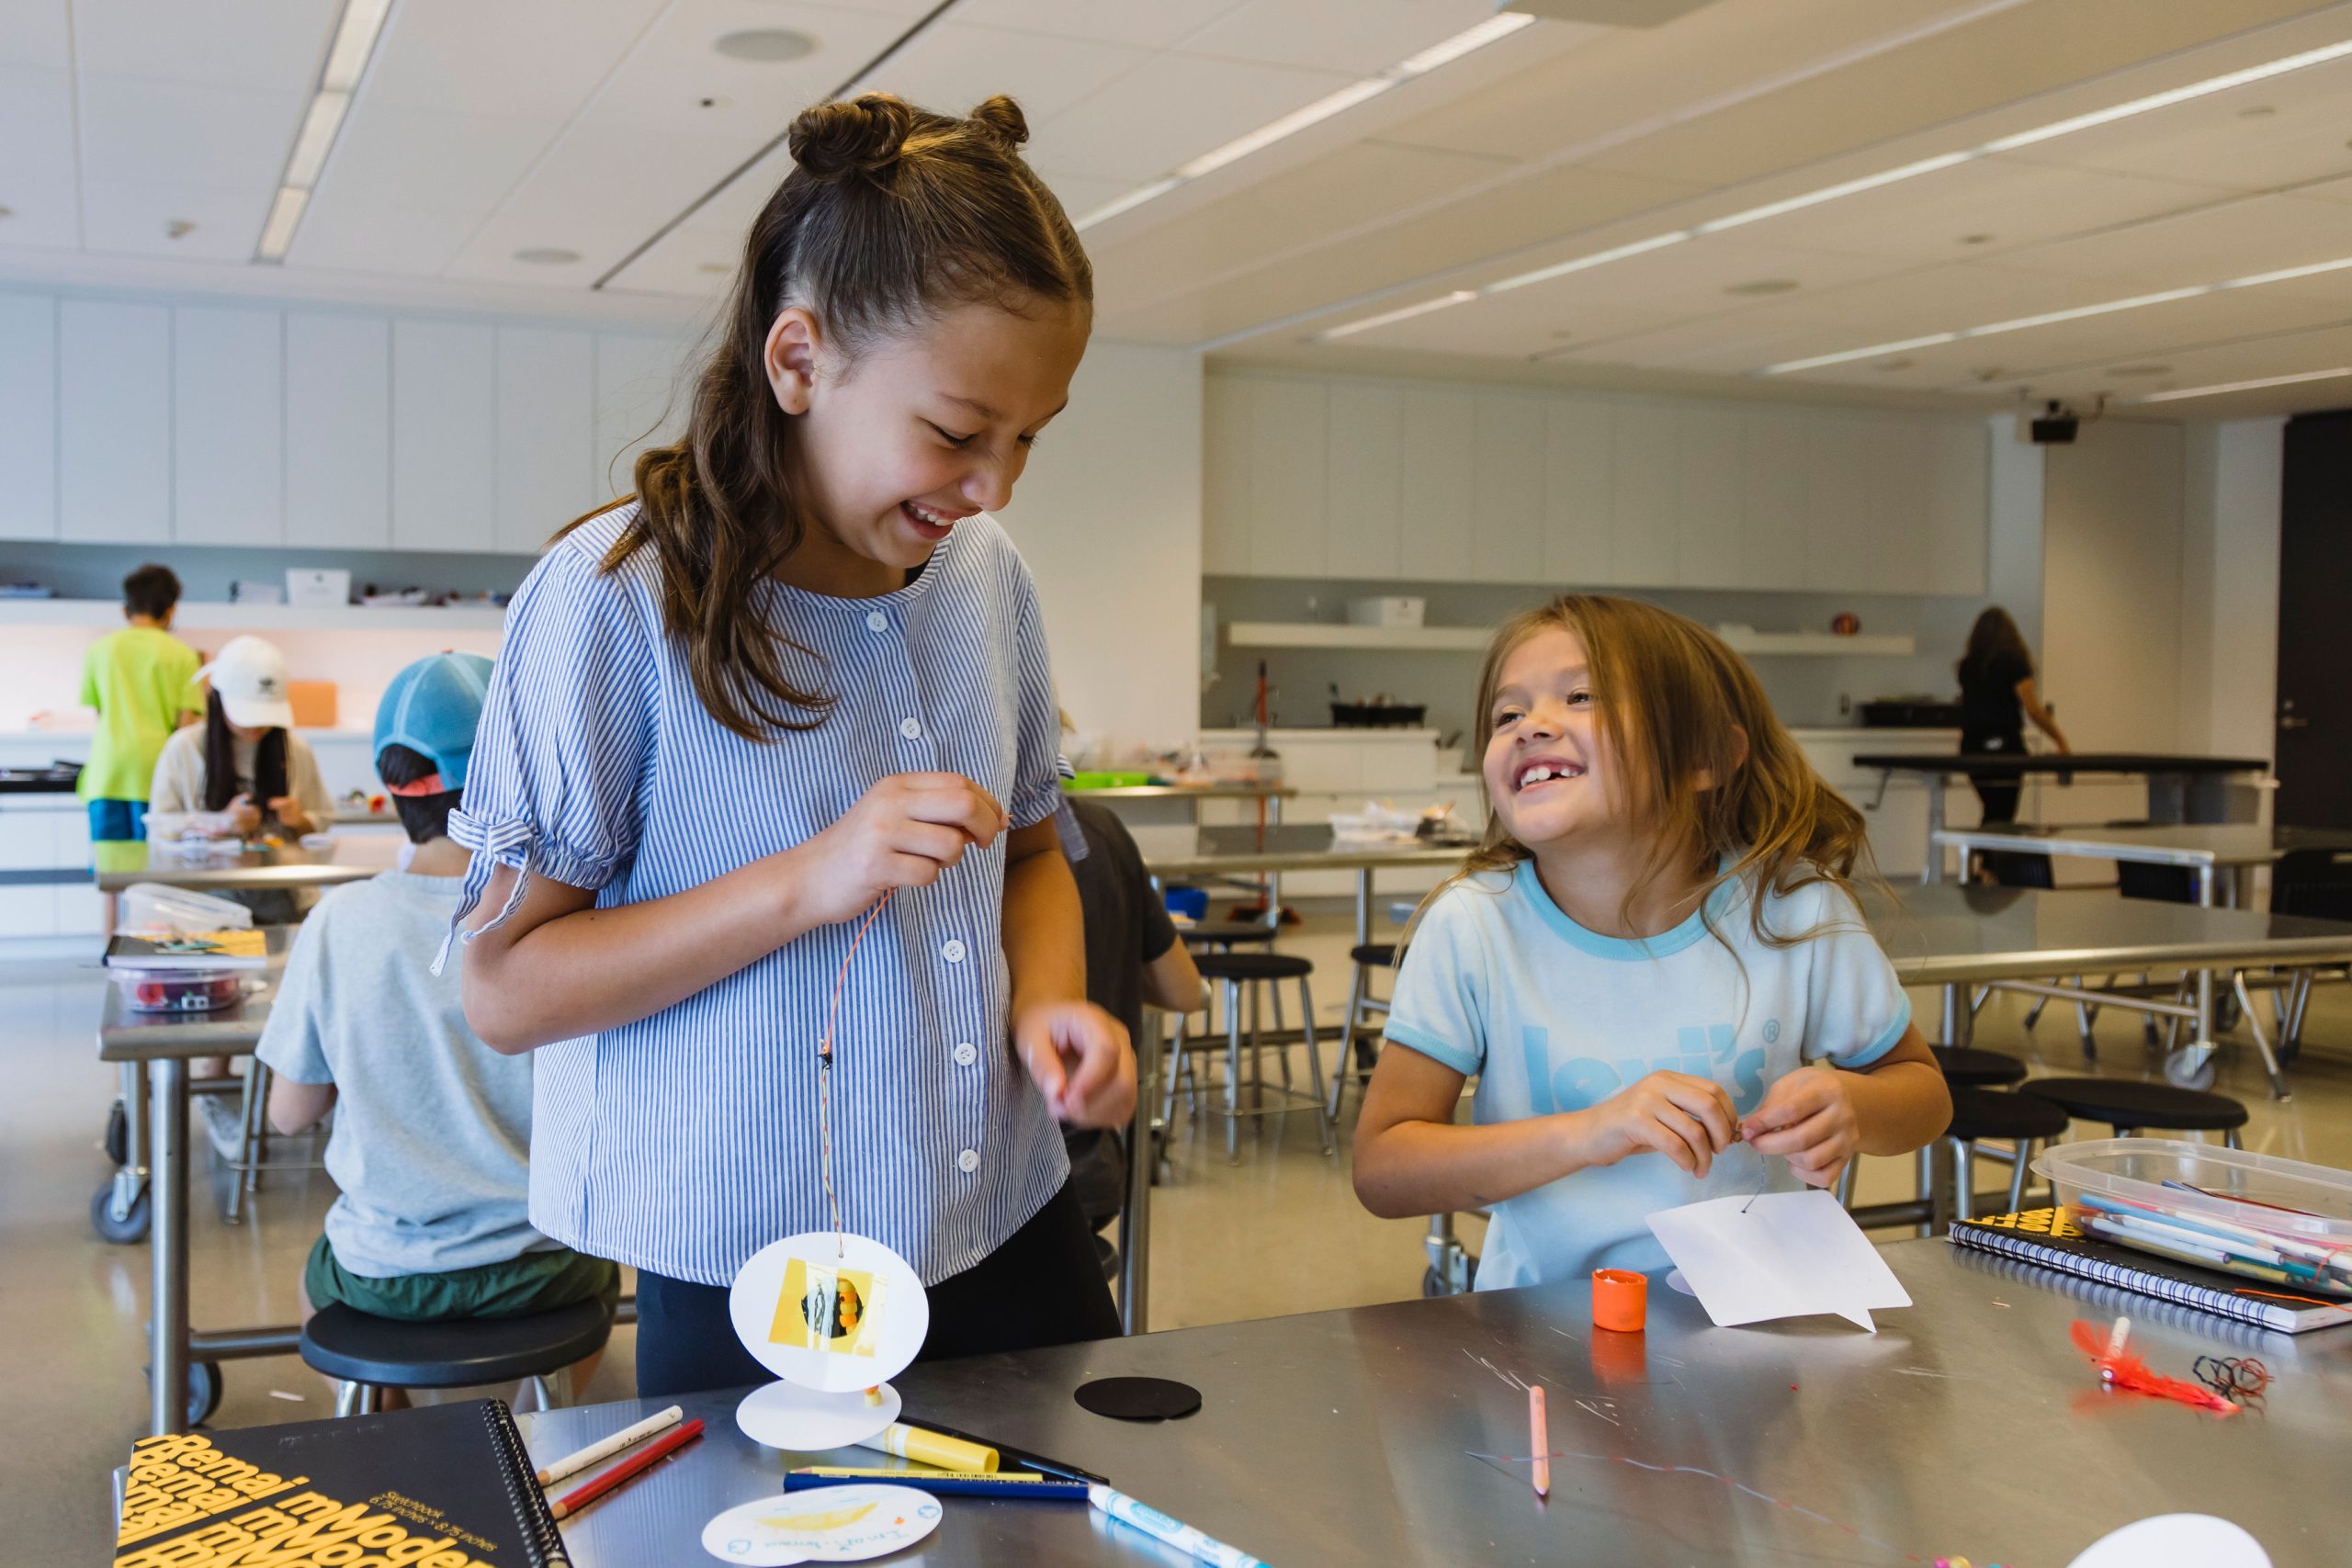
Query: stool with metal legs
x=1239 y=978
x=1981 y=1115
x=1365 y=1009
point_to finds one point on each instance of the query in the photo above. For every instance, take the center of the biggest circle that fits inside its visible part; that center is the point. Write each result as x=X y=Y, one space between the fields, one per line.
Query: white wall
x=2230 y=588
x=2110 y=652
x=1108 y=516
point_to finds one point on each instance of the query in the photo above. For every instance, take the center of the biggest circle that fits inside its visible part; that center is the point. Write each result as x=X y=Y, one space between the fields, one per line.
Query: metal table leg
x=130 y=1176
x=1933 y=870
x=167 y=1349
x=1364 y=904
x=1135 y=1216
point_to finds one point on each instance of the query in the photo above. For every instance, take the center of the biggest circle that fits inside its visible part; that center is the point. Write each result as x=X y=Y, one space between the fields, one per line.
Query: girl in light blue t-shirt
x=1652 y=964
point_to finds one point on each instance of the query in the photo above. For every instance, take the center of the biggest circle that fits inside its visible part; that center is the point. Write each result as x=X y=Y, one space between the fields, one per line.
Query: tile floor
x=1280 y=1232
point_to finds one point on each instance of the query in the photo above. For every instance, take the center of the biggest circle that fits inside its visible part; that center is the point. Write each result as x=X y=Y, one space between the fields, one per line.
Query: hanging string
x=825 y=1077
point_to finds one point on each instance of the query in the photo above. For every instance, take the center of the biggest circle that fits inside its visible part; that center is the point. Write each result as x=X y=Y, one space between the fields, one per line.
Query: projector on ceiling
x=2056 y=426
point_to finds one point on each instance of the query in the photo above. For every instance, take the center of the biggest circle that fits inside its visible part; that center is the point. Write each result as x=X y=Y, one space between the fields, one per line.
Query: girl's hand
x=1079 y=1055
x=1689 y=1120
x=1807 y=1117
x=240 y=818
x=902 y=833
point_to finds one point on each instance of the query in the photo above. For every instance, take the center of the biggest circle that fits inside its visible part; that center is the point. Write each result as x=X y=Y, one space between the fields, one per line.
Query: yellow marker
x=933 y=1448
x=912 y=1477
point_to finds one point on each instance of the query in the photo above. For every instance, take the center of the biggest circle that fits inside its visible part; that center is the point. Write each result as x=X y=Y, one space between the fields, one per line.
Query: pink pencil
x=1539 y=1434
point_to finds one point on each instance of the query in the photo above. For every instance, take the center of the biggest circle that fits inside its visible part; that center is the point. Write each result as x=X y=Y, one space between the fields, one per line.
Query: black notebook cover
x=2045 y=1237
x=443 y=1486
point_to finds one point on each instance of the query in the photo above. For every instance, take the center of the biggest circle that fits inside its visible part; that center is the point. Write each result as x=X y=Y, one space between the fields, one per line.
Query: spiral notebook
x=443 y=1486
x=2045 y=1237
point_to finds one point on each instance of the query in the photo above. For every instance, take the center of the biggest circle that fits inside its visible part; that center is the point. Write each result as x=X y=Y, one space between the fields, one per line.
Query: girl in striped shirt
x=802 y=670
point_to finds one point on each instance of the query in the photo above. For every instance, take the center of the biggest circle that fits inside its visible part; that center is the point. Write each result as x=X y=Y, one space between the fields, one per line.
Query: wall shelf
x=107 y=614
x=1472 y=639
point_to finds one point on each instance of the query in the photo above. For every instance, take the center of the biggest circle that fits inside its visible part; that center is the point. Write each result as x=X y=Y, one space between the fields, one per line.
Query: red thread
x=825 y=1075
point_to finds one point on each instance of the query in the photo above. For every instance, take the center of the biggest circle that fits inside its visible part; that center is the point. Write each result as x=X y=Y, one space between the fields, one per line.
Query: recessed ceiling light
x=546 y=255
x=1896 y=364
x=2140 y=370
x=768 y=46
x=177 y=228
x=2257 y=111
x=2012 y=143
x=1763 y=286
x=7 y=212
x=1976 y=239
x=716 y=267
x=1563 y=333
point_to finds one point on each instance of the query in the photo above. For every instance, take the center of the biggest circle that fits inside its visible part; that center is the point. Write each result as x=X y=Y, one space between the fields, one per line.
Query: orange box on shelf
x=313 y=704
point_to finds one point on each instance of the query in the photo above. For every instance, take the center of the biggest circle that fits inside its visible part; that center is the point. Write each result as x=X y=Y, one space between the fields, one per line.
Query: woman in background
x=1997 y=698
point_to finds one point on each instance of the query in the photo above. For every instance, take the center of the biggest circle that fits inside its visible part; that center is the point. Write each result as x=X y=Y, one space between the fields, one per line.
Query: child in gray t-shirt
x=432 y=1128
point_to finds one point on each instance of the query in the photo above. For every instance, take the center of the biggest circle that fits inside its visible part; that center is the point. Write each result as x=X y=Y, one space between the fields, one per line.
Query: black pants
x=1999 y=794
x=1044 y=1286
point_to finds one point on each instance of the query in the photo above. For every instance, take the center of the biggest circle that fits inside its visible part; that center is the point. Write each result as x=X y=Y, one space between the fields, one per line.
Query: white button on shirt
x=966 y=1054
x=910 y=728
x=952 y=951
x=878 y=620
x=969 y=1161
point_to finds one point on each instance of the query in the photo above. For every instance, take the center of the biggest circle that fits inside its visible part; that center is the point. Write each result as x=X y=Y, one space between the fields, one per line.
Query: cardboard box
x=313 y=703
x=317 y=587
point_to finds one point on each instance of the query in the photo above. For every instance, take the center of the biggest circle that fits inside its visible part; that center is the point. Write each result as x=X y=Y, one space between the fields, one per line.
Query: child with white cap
x=245 y=765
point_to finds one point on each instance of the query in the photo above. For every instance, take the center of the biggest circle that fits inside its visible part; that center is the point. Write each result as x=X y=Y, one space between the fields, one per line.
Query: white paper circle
x=824 y=1524
x=805 y=1420
x=830 y=1312
x=2176 y=1541
x=1675 y=1281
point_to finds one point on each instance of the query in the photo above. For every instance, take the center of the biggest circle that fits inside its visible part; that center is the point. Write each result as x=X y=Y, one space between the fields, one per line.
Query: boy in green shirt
x=142 y=681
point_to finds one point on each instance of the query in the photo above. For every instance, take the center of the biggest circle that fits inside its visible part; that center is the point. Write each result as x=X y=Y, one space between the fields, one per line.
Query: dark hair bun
x=858 y=135
x=1003 y=119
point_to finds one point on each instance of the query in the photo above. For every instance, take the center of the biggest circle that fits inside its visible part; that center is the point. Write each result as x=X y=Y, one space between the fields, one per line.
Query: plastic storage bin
x=2282 y=1221
x=179 y=990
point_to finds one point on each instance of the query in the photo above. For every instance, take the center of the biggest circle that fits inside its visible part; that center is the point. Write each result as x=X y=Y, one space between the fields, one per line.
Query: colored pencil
x=1539 y=1435
x=573 y=1463
x=628 y=1468
x=945 y=1483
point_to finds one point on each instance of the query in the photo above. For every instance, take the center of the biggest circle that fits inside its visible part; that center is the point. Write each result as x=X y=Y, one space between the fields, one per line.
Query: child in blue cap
x=433 y=1129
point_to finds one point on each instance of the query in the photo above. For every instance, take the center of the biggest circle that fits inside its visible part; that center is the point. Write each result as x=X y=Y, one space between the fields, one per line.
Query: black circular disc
x=1139 y=1399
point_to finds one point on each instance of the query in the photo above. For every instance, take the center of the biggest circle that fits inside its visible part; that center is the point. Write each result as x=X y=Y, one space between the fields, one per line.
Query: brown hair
x=151 y=591
x=1674 y=701
x=890 y=216
x=1994 y=635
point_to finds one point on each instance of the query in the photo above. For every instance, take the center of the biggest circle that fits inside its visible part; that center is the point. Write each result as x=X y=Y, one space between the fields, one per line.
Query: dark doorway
x=2315 y=747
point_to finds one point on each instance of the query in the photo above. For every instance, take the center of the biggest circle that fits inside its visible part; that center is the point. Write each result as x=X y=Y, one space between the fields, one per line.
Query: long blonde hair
x=1675 y=703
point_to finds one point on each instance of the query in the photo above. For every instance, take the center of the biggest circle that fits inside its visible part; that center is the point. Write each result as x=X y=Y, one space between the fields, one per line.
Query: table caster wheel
x=118 y=1137
x=203 y=1391
x=132 y=1227
x=2190 y=1067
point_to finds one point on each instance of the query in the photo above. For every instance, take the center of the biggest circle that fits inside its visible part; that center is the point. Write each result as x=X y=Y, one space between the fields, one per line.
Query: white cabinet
x=444 y=459
x=1897 y=465
x=1433 y=491
x=1643 y=520
x=28 y=416
x=338 y=431
x=643 y=399
x=1289 y=432
x=1225 y=476
x=1365 y=460
x=1838 y=516
x=547 y=380
x=228 y=427
x=115 y=422
x=1958 y=507
x=1773 y=498
x=1580 y=448
x=1507 y=524
x=1710 y=497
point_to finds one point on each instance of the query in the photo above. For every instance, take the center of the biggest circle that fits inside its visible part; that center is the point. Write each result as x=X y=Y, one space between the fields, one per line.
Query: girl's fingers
x=1706 y=1103
x=1812 y=1132
x=942 y=845
x=908 y=871
x=956 y=801
x=1681 y=1129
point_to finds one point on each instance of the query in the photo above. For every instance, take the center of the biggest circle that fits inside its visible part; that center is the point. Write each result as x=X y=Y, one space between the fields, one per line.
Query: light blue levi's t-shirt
x=1499 y=984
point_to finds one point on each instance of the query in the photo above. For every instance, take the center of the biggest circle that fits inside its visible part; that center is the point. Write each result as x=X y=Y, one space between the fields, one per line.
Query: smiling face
x=895 y=445
x=1549 y=767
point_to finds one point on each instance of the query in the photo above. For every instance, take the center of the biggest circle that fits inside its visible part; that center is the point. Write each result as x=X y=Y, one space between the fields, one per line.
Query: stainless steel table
x=1967 y=1425
x=1237 y=790
x=290 y=866
x=2208 y=850
x=153 y=1051
x=1233 y=852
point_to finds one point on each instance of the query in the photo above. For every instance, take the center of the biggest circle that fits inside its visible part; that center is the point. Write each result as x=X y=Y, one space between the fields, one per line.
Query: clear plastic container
x=152 y=907
x=179 y=990
x=2280 y=1220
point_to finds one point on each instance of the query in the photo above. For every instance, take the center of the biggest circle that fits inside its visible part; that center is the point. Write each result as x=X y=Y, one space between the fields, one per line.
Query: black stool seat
x=1251 y=967
x=359 y=1347
x=1225 y=931
x=1966 y=1064
x=2128 y=1106
x=1381 y=954
x=1995 y=1113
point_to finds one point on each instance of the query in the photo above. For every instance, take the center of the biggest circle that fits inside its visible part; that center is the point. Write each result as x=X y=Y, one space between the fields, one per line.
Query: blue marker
x=1160 y=1526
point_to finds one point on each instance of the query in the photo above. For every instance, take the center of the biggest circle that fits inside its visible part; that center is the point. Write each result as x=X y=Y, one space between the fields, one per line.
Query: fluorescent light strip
x=355 y=33
x=2048 y=318
x=1855 y=186
x=1458 y=297
x=1443 y=52
x=2215 y=391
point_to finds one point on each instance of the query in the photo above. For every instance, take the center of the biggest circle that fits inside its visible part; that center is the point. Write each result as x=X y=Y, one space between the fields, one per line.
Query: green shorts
x=536 y=1281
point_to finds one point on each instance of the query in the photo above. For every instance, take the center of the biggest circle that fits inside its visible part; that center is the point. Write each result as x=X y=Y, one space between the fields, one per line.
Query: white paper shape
x=1777 y=1254
x=2176 y=1541
x=805 y=1420
x=874 y=1311
x=824 y=1524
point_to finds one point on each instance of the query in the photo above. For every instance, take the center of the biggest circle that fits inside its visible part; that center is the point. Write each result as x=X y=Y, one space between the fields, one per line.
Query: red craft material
x=2120 y=1368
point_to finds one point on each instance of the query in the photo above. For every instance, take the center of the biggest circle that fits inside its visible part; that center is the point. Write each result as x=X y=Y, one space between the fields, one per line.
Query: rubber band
x=825 y=1075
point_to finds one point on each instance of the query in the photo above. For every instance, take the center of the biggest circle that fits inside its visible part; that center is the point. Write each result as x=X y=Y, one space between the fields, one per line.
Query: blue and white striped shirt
x=686 y=1142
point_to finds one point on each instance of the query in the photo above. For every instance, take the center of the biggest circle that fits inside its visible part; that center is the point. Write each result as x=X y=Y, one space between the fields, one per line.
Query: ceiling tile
x=343 y=232
x=541 y=61
x=253 y=43
x=132 y=217
x=397 y=157
x=2207 y=246
x=951 y=66
x=136 y=129
x=1170 y=109
x=2014 y=204
x=600 y=178
x=663 y=82
x=2216 y=140
x=1365 y=37
x=1154 y=25
x=38 y=33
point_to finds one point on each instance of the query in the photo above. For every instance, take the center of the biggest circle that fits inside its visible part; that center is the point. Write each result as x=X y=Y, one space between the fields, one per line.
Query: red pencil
x=637 y=1463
